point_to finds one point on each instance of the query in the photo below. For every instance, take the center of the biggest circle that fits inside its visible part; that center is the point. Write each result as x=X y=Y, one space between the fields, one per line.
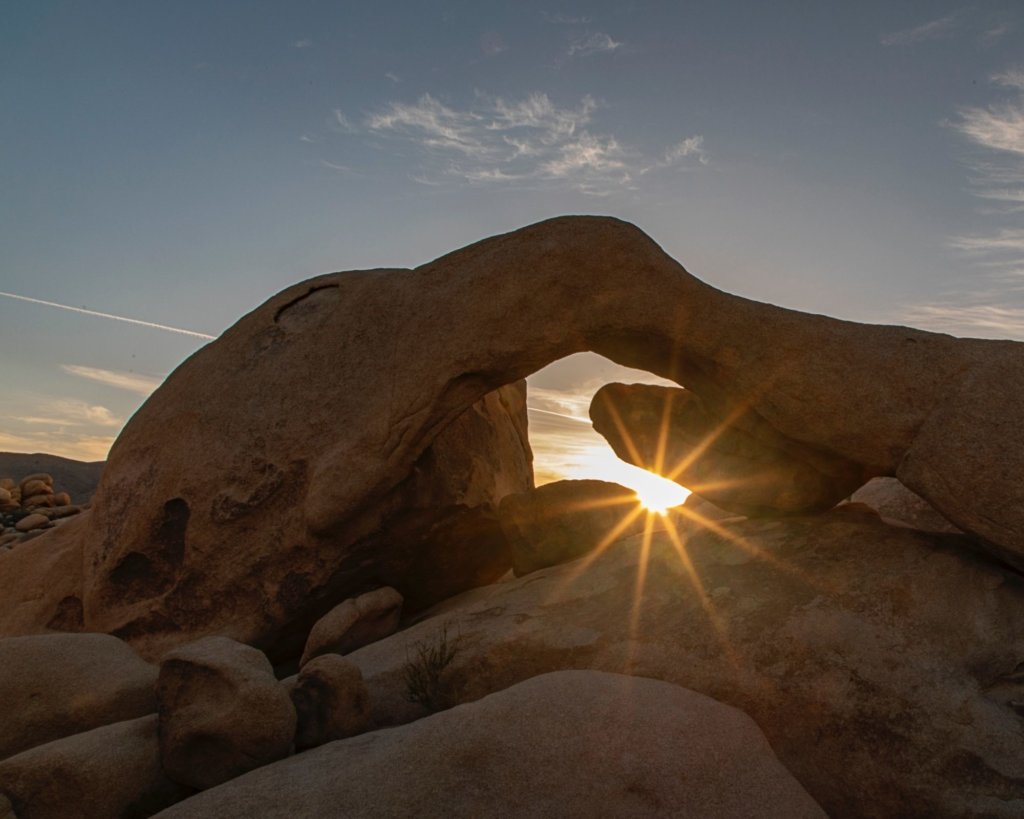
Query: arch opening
x=566 y=445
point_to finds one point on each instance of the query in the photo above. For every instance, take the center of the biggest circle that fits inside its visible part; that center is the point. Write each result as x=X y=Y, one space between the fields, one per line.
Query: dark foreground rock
x=55 y=685
x=882 y=663
x=576 y=743
x=222 y=712
x=110 y=771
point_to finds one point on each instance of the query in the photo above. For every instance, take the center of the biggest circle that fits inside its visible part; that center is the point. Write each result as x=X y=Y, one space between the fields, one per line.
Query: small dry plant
x=424 y=673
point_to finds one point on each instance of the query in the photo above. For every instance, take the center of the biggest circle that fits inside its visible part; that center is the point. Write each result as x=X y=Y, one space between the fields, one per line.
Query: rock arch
x=286 y=435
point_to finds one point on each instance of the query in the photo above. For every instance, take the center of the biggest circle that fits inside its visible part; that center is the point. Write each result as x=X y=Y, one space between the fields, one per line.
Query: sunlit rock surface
x=883 y=664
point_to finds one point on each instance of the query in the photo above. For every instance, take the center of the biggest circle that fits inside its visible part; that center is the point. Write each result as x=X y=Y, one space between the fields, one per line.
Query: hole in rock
x=565 y=444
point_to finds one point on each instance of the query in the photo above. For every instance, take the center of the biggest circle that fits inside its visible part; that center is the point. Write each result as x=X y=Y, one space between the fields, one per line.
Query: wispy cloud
x=526 y=141
x=564 y=19
x=97 y=314
x=343 y=122
x=391 y=75
x=997 y=127
x=985 y=320
x=1011 y=78
x=302 y=43
x=596 y=42
x=80 y=447
x=932 y=30
x=133 y=382
x=71 y=413
x=993 y=302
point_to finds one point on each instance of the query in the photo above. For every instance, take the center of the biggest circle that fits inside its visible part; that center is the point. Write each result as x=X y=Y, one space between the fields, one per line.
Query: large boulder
x=882 y=663
x=331 y=701
x=355 y=623
x=55 y=685
x=222 y=712
x=563 y=520
x=741 y=464
x=575 y=743
x=243 y=497
x=109 y=771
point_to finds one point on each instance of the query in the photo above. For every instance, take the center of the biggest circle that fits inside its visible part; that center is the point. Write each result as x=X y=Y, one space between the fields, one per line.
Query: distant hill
x=78 y=478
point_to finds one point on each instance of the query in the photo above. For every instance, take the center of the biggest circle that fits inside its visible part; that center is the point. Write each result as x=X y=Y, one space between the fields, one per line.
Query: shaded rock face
x=54 y=685
x=882 y=663
x=331 y=701
x=246 y=490
x=354 y=623
x=894 y=502
x=109 y=771
x=564 y=520
x=222 y=712
x=434 y=535
x=741 y=464
x=575 y=743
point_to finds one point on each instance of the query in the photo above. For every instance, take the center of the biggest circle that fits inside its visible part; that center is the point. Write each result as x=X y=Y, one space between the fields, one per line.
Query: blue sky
x=178 y=163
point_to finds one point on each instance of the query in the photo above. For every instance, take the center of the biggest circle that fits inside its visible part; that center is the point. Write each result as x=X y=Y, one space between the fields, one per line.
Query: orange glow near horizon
x=655 y=493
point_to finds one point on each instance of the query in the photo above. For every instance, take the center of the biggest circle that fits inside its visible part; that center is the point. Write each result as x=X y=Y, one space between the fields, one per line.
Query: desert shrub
x=426 y=682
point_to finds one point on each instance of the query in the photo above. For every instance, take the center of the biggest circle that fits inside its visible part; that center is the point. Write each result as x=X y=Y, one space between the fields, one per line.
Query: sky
x=176 y=164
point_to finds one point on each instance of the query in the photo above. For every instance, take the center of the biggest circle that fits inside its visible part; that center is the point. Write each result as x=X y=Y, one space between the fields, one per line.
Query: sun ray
x=717 y=623
x=585 y=562
x=747 y=546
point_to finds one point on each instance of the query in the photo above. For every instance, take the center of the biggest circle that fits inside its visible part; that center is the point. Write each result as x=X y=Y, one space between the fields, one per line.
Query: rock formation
x=268 y=464
x=883 y=664
x=576 y=743
x=55 y=685
x=741 y=464
x=222 y=712
x=564 y=520
x=109 y=771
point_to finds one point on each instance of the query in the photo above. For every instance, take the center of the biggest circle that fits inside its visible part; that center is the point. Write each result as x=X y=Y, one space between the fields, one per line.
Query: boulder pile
x=316 y=554
x=29 y=506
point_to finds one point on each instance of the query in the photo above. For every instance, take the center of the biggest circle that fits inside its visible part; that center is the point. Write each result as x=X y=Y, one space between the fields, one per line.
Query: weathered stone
x=57 y=512
x=576 y=743
x=741 y=464
x=109 y=771
x=8 y=484
x=355 y=623
x=331 y=701
x=564 y=520
x=54 y=685
x=5 y=496
x=62 y=499
x=30 y=522
x=300 y=482
x=35 y=501
x=882 y=663
x=36 y=486
x=222 y=712
x=6 y=808
x=897 y=504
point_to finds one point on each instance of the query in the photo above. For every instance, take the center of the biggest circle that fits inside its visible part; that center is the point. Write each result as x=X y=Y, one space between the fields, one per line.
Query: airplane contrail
x=82 y=310
x=559 y=415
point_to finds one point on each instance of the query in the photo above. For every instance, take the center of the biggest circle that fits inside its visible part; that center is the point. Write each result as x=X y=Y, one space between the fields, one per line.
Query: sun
x=655 y=493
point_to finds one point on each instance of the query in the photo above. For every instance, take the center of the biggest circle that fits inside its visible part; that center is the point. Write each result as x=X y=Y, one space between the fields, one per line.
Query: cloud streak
x=71 y=413
x=97 y=314
x=995 y=134
x=132 y=382
x=587 y=45
x=932 y=30
x=529 y=141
